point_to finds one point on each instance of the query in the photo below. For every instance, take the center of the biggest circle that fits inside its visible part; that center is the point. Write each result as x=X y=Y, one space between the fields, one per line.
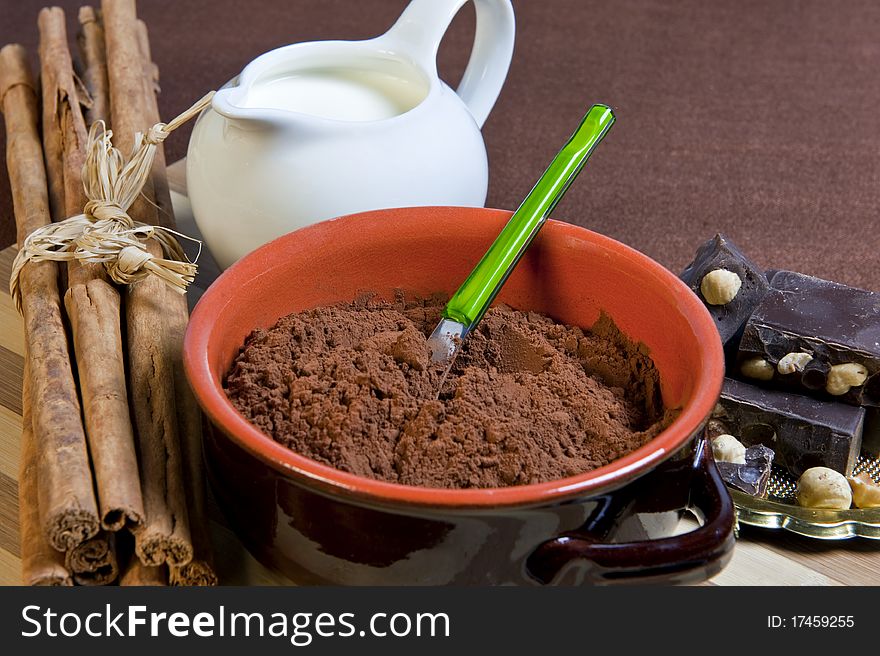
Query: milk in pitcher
x=344 y=94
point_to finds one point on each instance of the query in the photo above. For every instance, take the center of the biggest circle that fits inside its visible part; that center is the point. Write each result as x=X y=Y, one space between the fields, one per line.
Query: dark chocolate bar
x=803 y=432
x=871 y=434
x=753 y=477
x=720 y=253
x=836 y=326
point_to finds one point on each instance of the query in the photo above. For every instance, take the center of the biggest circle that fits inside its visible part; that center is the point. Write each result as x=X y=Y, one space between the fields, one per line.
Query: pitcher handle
x=422 y=26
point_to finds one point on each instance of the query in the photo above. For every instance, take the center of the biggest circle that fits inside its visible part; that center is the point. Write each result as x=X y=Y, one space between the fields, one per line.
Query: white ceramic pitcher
x=317 y=130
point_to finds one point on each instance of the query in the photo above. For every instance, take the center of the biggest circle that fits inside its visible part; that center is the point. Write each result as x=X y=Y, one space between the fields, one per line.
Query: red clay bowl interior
x=568 y=273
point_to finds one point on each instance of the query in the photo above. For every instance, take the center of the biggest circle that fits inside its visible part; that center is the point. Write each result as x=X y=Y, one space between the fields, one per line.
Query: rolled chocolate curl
x=40 y=563
x=68 y=509
x=165 y=534
x=92 y=302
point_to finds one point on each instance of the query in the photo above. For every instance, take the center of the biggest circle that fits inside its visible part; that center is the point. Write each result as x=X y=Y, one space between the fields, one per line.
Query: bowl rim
x=223 y=415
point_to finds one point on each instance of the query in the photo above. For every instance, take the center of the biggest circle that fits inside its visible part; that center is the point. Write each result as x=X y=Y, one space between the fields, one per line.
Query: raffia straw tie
x=104 y=233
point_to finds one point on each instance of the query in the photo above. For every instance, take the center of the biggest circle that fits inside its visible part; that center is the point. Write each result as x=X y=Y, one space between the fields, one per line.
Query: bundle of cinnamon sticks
x=111 y=484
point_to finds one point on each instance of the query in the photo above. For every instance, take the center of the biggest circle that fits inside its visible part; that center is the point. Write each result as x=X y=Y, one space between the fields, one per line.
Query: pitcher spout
x=235 y=104
x=231 y=103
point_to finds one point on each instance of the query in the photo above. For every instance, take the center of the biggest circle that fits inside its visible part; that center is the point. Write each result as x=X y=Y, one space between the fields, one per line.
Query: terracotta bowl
x=316 y=524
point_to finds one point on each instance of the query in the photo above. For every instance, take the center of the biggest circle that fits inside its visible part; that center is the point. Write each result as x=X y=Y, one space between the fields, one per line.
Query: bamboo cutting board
x=760 y=558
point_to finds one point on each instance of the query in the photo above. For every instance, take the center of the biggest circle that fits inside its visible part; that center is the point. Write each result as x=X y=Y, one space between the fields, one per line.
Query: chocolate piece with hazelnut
x=728 y=283
x=823 y=338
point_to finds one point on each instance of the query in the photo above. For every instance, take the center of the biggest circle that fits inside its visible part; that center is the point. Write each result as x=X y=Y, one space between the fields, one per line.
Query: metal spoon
x=468 y=305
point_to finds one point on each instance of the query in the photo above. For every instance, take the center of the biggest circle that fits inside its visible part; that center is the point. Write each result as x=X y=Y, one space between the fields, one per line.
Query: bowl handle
x=691 y=556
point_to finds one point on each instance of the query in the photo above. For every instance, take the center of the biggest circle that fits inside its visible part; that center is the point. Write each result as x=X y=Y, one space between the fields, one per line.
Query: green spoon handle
x=474 y=297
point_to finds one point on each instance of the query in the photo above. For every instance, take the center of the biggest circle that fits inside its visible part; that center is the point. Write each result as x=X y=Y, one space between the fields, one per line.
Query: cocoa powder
x=527 y=399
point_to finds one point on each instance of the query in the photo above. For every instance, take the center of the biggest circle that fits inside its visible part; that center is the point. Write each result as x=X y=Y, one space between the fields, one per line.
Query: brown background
x=759 y=119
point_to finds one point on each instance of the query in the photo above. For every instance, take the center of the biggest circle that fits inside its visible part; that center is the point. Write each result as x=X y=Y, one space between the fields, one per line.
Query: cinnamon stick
x=200 y=570
x=92 y=302
x=93 y=562
x=165 y=535
x=66 y=498
x=161 y=190
x=90 y=39
x=64 y=130
x=52 y=152
x=138 y=574
x=40 y=563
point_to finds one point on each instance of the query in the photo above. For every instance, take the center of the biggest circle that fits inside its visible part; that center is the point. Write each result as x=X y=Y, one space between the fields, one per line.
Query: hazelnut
x=720 y=286
x=821 y=487
x=865 y=492
x=757 y=368
x=793 y=362
x=842 y=377
x=726 y=448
